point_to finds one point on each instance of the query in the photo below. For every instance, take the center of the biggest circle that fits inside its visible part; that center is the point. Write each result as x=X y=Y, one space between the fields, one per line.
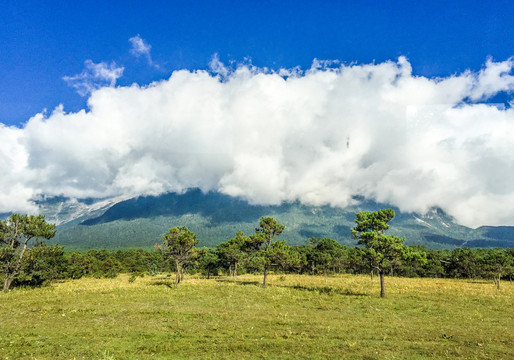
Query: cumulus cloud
x=141 y=48
x=95 y=76
x=217 y=67
x=16 y=177
x=320 y=136
x=493 y=78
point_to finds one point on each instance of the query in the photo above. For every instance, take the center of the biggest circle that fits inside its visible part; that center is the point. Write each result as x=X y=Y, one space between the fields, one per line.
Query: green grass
x=296 y=317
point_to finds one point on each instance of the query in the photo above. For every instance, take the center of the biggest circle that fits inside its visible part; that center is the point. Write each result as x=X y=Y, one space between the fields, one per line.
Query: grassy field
x=296 y=317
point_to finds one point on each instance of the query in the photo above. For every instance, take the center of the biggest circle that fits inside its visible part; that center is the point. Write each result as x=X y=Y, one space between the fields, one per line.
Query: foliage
x=234 y=252
x=15 y=235
x=269 y=254
x=497 y=262
x=42 y=265
x=382 y=250
x=178 y=243
x=207 y=261
x=325 y=255
x=254 y=253
x=463 y=263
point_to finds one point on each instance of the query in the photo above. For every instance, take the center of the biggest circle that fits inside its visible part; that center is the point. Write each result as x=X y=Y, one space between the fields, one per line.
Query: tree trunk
x=265 y=276
x=178 y=277
x=382 y=285
x=371 y=274
x=497 y=281
x=10 y=277
x=235 y=270
x=7 y=282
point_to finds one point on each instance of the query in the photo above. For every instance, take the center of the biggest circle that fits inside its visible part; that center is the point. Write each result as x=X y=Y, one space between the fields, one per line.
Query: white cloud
x=94 y=76
x=493 y=78
x=141 y=47
x=16 y=176
x=217 y=66
x=320 y=136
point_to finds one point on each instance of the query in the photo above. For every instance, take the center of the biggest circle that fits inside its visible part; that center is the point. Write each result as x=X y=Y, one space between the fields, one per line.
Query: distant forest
x=320 y=256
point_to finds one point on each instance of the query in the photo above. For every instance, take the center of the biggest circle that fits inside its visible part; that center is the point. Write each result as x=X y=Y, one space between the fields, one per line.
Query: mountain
x=215 y=218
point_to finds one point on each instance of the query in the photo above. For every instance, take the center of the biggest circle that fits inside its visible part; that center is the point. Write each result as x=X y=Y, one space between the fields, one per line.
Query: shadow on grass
x=480 y=281
x=234 y=281
x=169 y=284
x=324 y=290
x=319 y=289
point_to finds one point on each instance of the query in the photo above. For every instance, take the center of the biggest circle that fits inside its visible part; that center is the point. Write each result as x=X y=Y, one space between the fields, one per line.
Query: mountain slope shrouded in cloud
x=215 y=218
x=318 y=137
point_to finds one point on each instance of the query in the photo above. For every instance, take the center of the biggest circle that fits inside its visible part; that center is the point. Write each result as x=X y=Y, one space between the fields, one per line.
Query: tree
x=41 y=265
x=326 y=255
x=496 y=262
x=358 y=262
x=233 y=252
x=283 y=256
x=208 y=261
x=178 y=243
x=463 y=263
x=16 y=234
x=435 y=261
x=297 y=259
x=267 y=231
x=382 y=249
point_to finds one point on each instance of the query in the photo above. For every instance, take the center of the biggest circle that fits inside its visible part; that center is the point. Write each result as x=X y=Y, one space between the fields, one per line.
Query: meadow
x=295 y=317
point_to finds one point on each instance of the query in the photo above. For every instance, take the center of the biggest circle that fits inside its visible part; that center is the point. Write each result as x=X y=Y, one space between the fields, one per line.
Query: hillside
x=214 y=217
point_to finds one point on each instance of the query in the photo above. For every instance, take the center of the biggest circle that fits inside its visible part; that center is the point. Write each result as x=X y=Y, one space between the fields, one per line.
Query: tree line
x=261 y=252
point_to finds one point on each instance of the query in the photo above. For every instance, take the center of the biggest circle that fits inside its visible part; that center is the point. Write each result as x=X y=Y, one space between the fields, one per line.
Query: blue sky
x=43 y=41
x=144 y=98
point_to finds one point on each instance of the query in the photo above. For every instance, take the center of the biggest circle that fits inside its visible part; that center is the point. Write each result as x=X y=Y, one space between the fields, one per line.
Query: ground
x=296 y=317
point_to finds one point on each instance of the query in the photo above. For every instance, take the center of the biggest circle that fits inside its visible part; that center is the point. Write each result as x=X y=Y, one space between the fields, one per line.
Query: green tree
x=42 y=264
x=435 y=261
x=77 y=265
x=297 y=259
x=382 y=249
x=496 y=262
x=326 y=255
x=282 y=256
x=266 y=233
x=358 y=262
x=16 y=234
x=234 y=252
x=208 y=261
x=204 y=260
x=463 y=263
x=178 y=243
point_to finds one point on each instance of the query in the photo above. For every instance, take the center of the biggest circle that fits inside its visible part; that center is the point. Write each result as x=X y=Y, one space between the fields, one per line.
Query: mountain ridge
x=215 y=218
